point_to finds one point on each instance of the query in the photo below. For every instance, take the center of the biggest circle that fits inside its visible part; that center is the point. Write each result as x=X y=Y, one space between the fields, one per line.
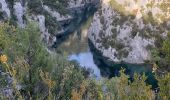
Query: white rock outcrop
x=110 y=26
x=19 y=11
x=5 y=8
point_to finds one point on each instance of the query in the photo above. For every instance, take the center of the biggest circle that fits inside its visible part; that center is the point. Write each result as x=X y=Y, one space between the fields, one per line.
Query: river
x=78 y=48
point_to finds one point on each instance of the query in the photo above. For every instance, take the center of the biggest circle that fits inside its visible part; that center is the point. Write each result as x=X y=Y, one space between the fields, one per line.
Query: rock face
x=126 y=30
x=4 y=8
x=19 y=13
x=53 y=17
x=123 y=30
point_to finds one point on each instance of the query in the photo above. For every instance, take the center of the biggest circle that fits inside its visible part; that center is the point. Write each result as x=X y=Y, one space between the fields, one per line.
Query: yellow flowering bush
x=46 y=78
x=3 y=58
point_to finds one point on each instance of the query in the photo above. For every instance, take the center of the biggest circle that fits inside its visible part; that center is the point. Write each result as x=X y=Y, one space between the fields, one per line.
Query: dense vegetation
x=30 y=71
x=161 y=54
x=36 y=6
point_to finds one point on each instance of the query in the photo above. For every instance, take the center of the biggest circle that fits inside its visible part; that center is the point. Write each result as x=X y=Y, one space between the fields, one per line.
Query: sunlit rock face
x=160 y=9
x=126 y=30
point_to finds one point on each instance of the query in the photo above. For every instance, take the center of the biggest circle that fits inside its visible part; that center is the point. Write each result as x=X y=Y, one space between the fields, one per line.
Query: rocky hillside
x=123 y=30
x=127 y=30
x=53 y=16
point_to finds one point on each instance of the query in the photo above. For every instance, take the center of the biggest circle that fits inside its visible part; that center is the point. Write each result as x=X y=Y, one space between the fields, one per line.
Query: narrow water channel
x=77 y=49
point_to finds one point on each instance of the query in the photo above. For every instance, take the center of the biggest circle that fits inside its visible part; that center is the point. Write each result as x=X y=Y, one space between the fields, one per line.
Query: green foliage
x=3 y=15
x=44 y=75
x=66 y=76
x=28 y=55
x=58 y=5
x=164 y=85
x=120 y=88
x=140 y=90
x=166 y=49
x=122 y=53
x=161 y=55
x=24 y=49
x=118 y=7
x=5 y=32
x=3 y=81
x=116 y=87
x=36 y=6
x=51 y=23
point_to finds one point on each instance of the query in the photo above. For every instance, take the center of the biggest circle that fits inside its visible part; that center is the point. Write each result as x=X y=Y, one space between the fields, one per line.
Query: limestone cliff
x=53 y=16
x=126 y=30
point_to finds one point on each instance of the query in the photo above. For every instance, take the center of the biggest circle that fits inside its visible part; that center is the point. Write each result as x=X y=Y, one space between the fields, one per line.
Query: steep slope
x=126 y=30
x=53 y=16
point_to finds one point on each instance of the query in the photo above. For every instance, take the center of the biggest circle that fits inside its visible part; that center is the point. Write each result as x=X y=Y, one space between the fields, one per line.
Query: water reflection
x=77 y=48
x=85 y=59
